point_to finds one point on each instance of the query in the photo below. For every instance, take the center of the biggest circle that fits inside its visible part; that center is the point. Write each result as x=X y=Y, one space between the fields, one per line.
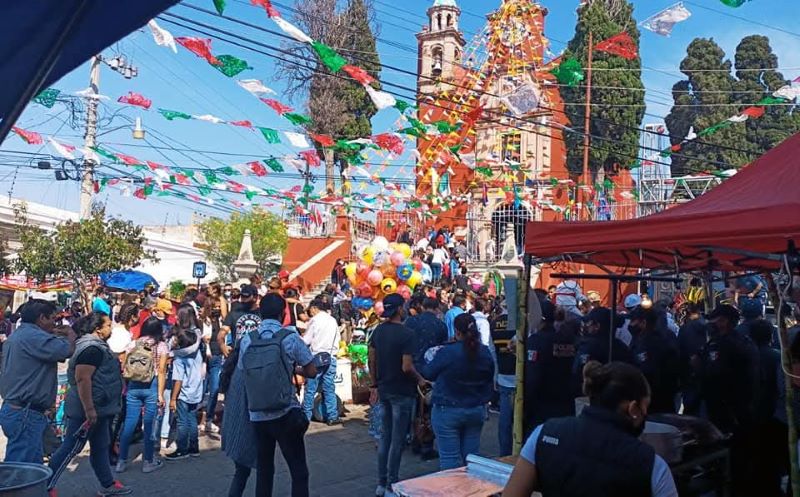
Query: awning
x=737 y=225
x=128 y=280
x=42 y=40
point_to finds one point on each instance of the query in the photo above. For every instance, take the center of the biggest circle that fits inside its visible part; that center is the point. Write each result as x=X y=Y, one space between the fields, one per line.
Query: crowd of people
x=145 y=367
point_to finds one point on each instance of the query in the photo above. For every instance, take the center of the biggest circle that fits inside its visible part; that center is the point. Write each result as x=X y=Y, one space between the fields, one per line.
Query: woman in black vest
x=94 y=398
x=597 y=453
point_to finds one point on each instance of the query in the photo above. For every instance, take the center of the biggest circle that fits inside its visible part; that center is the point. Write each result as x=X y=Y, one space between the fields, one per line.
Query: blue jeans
x=212 y=383
x=99 y=441
x=330 y=408
x=458 y=430
x=436 y=270
x=397 y=412
x=505 y=425
x=187 y=426
x=164 y=419
x=140 y=395
x=24 y=429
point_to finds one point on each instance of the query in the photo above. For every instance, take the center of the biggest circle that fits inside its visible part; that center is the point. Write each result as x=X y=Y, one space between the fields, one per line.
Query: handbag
x=423 y=430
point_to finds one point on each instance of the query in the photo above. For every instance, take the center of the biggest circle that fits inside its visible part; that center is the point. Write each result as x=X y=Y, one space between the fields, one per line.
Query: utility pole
x=586 y=126
x=90 y=140
x=330 y=171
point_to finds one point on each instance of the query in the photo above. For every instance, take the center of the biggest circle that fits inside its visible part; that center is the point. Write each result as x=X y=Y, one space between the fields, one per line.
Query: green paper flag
x=733 y=3
x=228 y=171
x=220 y=6
x=47 y=97
x=270 y=135
x=230 y=66
x=486 y=171
x=211 y=177
x=411 y=131
x=163 y=193
x=148 y=190
x=332 y=60
x=402 y=105
x=250 y=194
x=308 y=189
x=771 y=101
x=553 y=182
x=108 y=155
x=714 y=128
x=204 y=190
x=274 y=165
x=569 y=72
x=297 y=119
x=446 y=127
x=169 y=115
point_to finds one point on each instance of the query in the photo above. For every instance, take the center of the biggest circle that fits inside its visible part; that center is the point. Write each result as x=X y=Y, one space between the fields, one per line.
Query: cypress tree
x=617 y=96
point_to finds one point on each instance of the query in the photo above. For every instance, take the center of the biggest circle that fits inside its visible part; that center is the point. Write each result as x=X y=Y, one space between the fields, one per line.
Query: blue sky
x=184 y=82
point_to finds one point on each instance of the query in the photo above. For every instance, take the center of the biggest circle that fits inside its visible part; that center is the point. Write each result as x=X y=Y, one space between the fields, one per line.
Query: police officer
x=594 y=345
x=548 y=368
x=729 y=371
x=657 y=357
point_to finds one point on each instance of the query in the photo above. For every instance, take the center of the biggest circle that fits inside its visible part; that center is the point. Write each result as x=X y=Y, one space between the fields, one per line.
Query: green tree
x=79 y=250
x=617 y=101
x=338 y=107
x=5 y=267
x=702 y=100
x=223 y=238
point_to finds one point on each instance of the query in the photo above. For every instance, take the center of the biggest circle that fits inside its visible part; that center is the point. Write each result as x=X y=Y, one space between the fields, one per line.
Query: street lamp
x=138 y=131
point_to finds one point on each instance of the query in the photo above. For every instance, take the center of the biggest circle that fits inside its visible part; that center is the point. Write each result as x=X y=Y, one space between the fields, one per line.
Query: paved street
x=341 y=462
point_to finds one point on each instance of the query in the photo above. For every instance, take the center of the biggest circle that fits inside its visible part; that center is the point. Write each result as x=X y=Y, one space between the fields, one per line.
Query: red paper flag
x=277 y=106
x=311 y=157
x=155 y=165
x=296 y=189
x=30 y=137
x=257 y=168
x=96 y=186
x=200 y=47
x=236 y=203
x=475 y=114
x=390 y=142
x=323 y=140
x=136 y=99
x=139 y=193
x=236 y=187
x=243 y=124
x=128 y=159
x=754 y=112
x=620 y=44
x=358 y=74
x=148 y=181
x=182 y=179
x=194 y=198
x=271 y=12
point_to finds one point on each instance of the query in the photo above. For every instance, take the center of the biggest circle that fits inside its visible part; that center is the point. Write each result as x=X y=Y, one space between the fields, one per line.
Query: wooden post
x=786 y=364
x=524 y=285
x=586 y=126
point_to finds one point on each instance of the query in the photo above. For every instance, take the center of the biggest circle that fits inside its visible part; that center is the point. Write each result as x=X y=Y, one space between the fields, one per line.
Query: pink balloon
x=362 y=269
x=375 y=277
x=417 y=263
x=405 y=291
x=398 y=259
x=379 y=307
x=364 y=290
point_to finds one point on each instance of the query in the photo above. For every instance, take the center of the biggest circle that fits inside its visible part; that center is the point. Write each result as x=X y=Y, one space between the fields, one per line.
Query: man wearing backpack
x=268 y=358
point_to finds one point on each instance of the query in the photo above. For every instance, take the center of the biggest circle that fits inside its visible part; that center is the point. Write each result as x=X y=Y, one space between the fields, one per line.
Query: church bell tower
x=440 y=47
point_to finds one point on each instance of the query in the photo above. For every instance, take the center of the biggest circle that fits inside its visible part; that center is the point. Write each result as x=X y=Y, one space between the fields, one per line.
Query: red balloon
x=417 y=263
x=362 y=270
x=405 y=291
x=364 y=290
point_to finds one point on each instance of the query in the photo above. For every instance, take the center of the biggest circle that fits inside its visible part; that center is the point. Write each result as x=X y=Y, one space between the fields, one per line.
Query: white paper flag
x=244 y=169
x=297 y=140
x=381 y=99
x=789 y=92
x=161 y=36
x=62 y=150
x=738 y=119
x=663 y=22
x=209 y=118
x=90 y=155
x=292 y=30
x=89 y=93
x=254 y=86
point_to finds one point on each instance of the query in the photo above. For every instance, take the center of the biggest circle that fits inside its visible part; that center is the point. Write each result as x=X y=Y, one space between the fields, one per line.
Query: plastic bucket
x=23 y=479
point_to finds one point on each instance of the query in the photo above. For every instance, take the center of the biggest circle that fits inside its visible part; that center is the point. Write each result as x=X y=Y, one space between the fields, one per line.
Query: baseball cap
x=632 y=300
x=248 y=291
x=283 y=274
x=163 y=305
x=725 y=311
x=392 y=304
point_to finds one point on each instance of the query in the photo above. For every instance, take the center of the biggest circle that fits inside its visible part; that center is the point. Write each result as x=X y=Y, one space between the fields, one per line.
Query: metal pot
x=23 y=479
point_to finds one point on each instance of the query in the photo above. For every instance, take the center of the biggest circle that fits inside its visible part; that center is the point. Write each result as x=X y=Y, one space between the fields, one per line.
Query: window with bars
x=511 y=146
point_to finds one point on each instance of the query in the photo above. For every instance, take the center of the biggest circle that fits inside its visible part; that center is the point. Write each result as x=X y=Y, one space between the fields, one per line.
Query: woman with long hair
x=463 y=373
x=599 y=451
x=149 y=351
x=92 y=402
x=212 y=324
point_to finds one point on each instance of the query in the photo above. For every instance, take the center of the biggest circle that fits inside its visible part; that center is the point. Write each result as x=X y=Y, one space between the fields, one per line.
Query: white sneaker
x=155 y=465
x=167 y=446
x=122 y=465
x=211 y=428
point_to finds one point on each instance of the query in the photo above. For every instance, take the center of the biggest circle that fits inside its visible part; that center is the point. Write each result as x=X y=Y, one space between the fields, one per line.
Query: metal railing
x=308 y=226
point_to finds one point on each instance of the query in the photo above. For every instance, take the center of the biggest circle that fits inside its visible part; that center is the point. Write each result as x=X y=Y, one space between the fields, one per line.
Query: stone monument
x=245 y=265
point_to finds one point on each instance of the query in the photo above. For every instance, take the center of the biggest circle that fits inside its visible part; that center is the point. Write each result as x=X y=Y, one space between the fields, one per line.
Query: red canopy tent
x=747 y=222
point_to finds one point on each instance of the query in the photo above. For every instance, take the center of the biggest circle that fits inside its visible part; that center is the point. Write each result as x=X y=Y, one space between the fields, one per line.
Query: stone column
x=245 y=265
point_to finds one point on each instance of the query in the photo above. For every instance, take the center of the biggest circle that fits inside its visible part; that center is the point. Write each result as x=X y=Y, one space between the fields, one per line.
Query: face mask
x=216 y=313
x=227 y=294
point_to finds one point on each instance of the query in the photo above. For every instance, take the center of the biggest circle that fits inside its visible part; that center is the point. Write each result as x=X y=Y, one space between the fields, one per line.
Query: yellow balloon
x=367 y=255
x=350 y=270
x=414 y=280
x=404 y=249
x=388 y=286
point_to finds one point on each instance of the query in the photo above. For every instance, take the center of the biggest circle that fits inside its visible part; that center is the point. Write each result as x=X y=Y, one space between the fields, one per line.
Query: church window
x=449 y=20
x=511 y=146
x=437 y=61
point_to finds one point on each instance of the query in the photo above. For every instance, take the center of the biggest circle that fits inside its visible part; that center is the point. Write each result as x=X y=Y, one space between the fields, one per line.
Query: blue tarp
x=30 y=29
x=128 y=280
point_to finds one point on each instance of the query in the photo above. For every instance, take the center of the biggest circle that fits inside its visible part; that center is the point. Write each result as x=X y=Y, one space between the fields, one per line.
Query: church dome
x=445 y=3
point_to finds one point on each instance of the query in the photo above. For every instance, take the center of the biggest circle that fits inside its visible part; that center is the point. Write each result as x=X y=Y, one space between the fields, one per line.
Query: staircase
x=316 y=290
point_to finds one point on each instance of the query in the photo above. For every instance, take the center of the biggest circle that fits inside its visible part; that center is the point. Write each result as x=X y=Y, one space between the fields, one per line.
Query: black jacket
x=656 y=355
x=550 y=356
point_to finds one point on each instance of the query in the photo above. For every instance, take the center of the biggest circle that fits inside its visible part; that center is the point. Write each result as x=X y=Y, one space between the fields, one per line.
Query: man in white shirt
x=439 y=259
x=322 y=336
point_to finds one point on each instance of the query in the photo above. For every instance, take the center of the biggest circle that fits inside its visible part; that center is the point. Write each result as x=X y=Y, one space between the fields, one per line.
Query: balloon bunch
x=383 y=268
